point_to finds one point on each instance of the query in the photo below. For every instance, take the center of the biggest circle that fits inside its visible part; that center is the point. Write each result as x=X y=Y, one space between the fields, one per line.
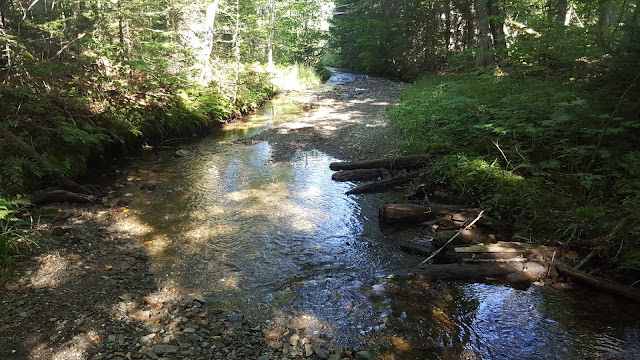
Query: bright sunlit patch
x=206 y=232
x=53 y=269
x=74 y=349
x=131 y=225
x=311 y=192
x=230 y=282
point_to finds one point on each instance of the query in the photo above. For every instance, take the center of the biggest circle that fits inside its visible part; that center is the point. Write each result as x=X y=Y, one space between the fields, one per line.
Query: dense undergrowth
x=556 y=154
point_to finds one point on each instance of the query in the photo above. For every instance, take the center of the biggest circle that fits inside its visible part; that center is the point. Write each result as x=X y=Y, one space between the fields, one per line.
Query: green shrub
x=12 y=227
x=526 y=147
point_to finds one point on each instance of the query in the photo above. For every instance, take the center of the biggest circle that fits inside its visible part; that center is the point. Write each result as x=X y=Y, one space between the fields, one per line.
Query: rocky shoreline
x=95 y=297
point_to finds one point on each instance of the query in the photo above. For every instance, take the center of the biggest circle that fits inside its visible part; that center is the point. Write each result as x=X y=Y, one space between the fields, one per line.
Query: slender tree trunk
x=447 y=25
x=272 y=30
x=120 y=26
x=560 y=11
x=469 y=31
x=208 y=42
x=605 y=19
x=236 y=47
x=497 y=27
x=484 y=56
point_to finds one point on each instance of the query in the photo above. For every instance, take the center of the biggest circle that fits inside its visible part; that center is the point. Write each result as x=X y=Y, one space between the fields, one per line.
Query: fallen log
x=29 y=151
x=467 y=236
x=357 y=175
x=393 y=213
x=383 y=185
x=601 y=284
x=53 y=195
x=501 y=250
x=476 y=272
x=393 y=163
x=454 y=215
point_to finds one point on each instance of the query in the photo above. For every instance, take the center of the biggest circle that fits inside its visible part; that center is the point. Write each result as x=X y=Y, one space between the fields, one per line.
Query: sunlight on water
x=277 y=240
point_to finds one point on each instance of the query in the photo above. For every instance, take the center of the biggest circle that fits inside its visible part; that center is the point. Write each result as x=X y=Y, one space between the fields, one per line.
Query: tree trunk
x=208 y=42
x=484 y=56
x=42 y=162
x=236 y=51
x=392 y=163
x=469 y=20
x=272 y=31
x=497 y=27
x=559 y=11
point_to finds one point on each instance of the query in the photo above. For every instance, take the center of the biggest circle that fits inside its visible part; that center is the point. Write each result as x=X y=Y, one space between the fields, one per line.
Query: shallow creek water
x=281 y=240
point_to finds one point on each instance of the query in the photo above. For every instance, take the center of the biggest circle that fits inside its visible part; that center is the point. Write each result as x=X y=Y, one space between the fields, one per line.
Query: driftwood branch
x=66 y=182
x=452 y=238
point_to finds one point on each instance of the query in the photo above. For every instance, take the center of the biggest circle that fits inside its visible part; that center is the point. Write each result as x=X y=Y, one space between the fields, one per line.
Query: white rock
x=293 y=340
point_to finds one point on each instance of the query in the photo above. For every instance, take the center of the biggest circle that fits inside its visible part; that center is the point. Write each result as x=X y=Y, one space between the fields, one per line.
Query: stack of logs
x=476 y=253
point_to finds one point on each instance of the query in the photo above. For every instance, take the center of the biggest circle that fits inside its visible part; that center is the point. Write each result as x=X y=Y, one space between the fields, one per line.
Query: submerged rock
x=520 y=280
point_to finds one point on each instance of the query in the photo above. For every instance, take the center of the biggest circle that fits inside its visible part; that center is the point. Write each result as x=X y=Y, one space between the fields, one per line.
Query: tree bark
x=392 y=163
x=484 y=56
x=66 y=182
x=497 y=27
x=601 y=284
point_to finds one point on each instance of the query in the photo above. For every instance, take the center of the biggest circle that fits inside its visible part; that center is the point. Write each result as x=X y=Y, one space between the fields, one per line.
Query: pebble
x=293 y=340
x=364 y=355
x=263 y=357
x=165 y=349
x=320 y=353
x=334 y=357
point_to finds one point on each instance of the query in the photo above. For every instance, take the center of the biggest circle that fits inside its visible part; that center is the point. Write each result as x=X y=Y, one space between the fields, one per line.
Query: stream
x=277 y=241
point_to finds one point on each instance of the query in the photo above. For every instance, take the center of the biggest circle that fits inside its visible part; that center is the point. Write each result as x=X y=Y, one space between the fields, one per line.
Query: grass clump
x=12 y=227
